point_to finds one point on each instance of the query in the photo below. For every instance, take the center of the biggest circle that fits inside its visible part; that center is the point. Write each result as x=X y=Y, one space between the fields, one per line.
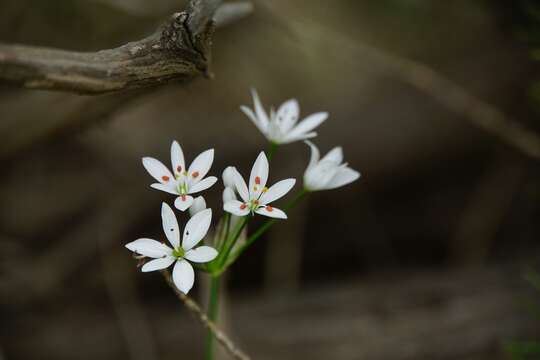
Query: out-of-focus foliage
x=525 y=350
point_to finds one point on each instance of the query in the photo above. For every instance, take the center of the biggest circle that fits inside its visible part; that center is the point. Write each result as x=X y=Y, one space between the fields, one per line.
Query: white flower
x=195 y=230
x=328 y=172
x=258 y=197
x=185 y=181
x=281 y=127
x=199 y=204
x=228 y=176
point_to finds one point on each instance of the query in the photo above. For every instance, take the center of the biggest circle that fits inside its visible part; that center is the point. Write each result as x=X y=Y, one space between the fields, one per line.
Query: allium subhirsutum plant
x=241 y=202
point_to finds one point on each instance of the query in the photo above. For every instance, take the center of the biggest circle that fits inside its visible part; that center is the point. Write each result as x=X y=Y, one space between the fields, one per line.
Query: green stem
x=222 y=258
x=213 y=310
x=263 y=228
x=271 y=150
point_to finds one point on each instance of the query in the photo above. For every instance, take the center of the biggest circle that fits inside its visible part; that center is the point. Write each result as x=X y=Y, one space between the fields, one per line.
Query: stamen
x=179 y=168
x=265 y=189
x=195 y=174
x=165 y=178
x=269 y=208
x=183 y=197
x=243 y=206
x=257 y=180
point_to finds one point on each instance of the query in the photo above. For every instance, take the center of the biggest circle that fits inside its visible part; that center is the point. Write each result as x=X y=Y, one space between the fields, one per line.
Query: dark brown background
x=423 y=258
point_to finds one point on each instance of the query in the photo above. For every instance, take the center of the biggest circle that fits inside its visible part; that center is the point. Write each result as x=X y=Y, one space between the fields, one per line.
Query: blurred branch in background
x=179 y=50
x=448 y=93
x=192 y=306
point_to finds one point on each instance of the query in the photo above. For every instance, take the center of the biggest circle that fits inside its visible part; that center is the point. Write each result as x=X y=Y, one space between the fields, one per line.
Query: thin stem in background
x=213 y=310
x=193 y=307
x=263 y=228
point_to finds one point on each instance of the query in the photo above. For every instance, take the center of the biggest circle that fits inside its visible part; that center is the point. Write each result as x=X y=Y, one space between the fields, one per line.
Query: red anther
x=269 y=208
x=165 y=178
x=179 y=168
x=195 y=174
x=183 y=197
x=257 y=180
x=243 y=206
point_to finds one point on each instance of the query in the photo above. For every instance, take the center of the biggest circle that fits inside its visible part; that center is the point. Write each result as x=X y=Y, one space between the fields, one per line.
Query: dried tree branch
x=192 y=306
x=179 y=50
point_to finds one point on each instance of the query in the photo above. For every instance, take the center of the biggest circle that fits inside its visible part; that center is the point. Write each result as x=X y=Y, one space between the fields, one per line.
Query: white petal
x=228 y=195
x=199 y=204
x=158 y=264
x=289 y=139
x=196 y=229
x=177 y=158
x=200 y=166
x=343 y=177
x=228 y=176
x=203 y=184
x=157 y=170
x=318 y=177
x=251 y=115
x=315 y=154
x=259 y=111
x=287 y=115
x=271 y=212
x=149 y=247
x=169 y=188
x=241 y=186
x=308 y=124
x=183 y=276
x=201 y=254
x=183 y=202
x=259 y=175
x=170 y=225
x=277 y=190
x=236 y=207
x=335 y=155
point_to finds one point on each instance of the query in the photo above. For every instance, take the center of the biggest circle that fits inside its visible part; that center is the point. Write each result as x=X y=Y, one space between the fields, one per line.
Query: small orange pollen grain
x=179 y=168
x=269 y=208
x=195 y=174
x=243 y=206
x=165 y=178
x=257 y=180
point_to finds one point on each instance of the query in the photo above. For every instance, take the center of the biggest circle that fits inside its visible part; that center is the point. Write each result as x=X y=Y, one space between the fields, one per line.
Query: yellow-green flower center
x=178 y=252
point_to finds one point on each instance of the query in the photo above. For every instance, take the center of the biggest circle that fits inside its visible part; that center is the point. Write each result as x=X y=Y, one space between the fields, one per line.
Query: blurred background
x=425 y=257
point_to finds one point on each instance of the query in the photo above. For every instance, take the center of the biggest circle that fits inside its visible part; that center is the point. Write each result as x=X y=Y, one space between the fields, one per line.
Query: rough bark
x=178 y=50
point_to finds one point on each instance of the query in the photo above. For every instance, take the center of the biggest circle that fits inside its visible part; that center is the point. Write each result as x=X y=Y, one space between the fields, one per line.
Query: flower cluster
x=241 y=200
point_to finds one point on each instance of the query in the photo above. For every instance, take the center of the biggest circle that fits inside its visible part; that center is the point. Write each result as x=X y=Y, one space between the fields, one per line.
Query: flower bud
x=228 y=195
x=228 y=176
x=199 y=204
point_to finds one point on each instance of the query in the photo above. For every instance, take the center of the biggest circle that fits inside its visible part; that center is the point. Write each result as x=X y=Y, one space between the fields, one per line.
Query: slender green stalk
x=271 y=150
x=222 y=258
x=213 y=310
x=263 y=228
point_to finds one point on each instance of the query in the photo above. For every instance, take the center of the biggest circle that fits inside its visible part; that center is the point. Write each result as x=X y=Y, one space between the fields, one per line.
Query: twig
x=447 y=92
x=179 y=50
x=192 y=306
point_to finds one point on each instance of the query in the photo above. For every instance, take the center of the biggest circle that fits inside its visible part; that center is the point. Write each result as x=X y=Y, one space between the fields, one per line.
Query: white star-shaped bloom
x=257 y=198
x=282 y=127
x=185 y=181
x=329 y=172
x=163 y=256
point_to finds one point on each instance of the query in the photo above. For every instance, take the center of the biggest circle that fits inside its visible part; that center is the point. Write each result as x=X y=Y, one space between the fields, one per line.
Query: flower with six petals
x=163 y=256
x=329 y=172
x=182 y=181
x=257 y=197
x=282 y=127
